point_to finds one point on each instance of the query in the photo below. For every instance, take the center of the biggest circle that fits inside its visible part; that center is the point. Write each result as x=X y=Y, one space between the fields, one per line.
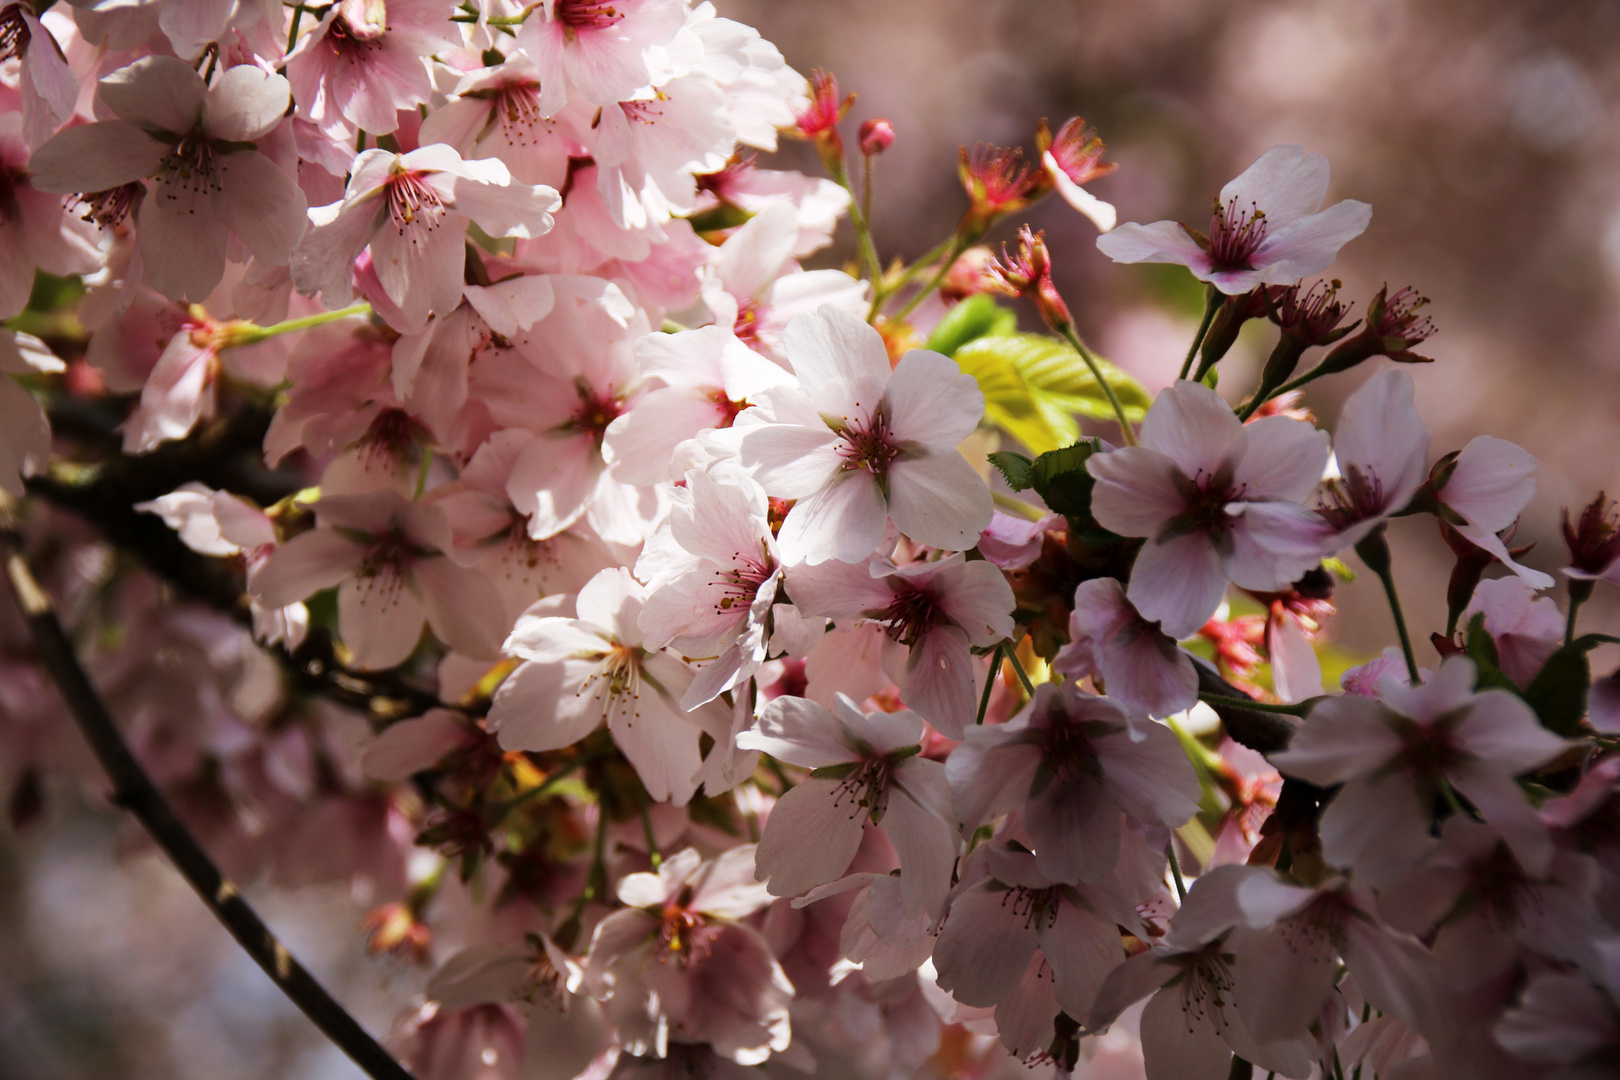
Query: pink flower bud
x=876 y=136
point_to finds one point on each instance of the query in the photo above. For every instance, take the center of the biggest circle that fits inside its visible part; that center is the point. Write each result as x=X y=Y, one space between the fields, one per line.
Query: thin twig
x=134 y=791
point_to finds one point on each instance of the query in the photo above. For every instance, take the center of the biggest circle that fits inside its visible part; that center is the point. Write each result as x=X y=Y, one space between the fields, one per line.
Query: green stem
x=1175 y=870
x=857 y=218
x=1212 y=303
x=252 y=335
x=945 y=265
x=989 y=683
x=647 y=828
x=1297 y=709
x=882 y=290
x=1010 y=651
x=1125 y=430
x=552 y=779
x=1294 y=384
x=1388 y=578
x=1579 y=592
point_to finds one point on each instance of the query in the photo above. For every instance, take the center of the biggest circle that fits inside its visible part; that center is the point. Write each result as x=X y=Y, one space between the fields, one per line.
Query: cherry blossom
x=387 y=558
x=1489 y=485
x=197 y=144
x=1395 y=755
x=25 y=433
x=1139 y=666
x=1267 y=228
x=1075 y=764
x=1072 y=159
x=1380 y=448
x=413 y=209
x=49 y=87
x=1526 y=629
x=931 y=614
x=854 y=446
x=866 y=770
x=1217 y=499
x=37 y=230
x=604 y=51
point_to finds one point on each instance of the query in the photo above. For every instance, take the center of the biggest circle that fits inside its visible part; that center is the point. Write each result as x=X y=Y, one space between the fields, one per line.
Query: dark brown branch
x=134 y=791
x=1264 y=732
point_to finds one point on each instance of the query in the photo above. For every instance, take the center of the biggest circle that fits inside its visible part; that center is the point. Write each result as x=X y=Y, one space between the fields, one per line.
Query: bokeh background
x=1483 y=132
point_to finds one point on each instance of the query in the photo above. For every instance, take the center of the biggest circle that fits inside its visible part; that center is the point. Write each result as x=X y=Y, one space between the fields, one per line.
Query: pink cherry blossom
x=37 y=230
x=1073 y=158
x=363 y=62
x=1490 y=484
x=721 y=607
x=931 y=614
x=1526 y=629
x=1381 y=447
x=648 y=152
x=592 y=670
x=495 y=112
x=413 y=210
x=1140 y=667
x=600 y=50
x=1217 y=499
x=818 y=203
x=1074 y=763
x=25 y=433
x=1393 y=755
x=1268 y=227
x=49 y=87
x=855 y=446
x=675 y=965
x=196 y=144
x=387 y=558
x=867 y=769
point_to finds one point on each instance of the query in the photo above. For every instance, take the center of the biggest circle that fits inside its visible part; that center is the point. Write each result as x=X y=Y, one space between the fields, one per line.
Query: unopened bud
x=876 y=136
x=970 y=274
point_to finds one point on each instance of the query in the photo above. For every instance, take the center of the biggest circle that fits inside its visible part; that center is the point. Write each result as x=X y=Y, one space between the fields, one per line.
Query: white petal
x=538 y=707
x=1178 y=583
x=1311 y=244
x=810 y=837
x=799 y=732
x=95 y=157
x=304 y=565
x=842 y=521
x=380 y=619
x=832 y=349
x=1137 y=491
x=262 y=205
x=1283 y=460
x=244 y=103
x=937 y=499
x=1161 y=242
x=932 y=401
x=1191 y=424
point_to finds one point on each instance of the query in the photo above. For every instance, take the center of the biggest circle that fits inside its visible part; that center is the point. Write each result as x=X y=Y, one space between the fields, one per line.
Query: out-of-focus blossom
x=1491 y=482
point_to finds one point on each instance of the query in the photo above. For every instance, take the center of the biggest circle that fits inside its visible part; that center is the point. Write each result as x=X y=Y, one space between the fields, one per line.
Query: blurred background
x=1483 y=132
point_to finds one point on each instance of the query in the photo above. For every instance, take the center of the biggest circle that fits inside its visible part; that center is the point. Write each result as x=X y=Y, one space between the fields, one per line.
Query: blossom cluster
x=630 y=616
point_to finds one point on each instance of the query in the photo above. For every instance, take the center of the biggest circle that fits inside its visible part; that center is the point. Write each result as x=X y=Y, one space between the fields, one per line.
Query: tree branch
x=134 y=791
x=1263 y=732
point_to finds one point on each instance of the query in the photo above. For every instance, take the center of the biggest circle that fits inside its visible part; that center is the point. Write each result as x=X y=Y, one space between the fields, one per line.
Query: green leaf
x=976 y=317
x=1481 y=649
x=1034 y=387
x=1061 y=479
x=1016 y=469
x=1558 y=692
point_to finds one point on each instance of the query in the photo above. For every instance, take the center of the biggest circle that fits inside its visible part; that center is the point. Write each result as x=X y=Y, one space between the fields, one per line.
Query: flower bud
x=876 y=136
x=970 y=274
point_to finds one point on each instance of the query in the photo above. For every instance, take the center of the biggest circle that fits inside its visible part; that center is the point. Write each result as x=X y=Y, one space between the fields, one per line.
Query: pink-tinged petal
x=1024 y=1017
x=1284 y=459
x=409 y=746
x=537 y=707
x=834 y=352
x=1285 y=182
x=1502 y=803
x=1603 y=706
x=1492 y=482
x=1181 y=1042
x=95 y=157
x=983 y=947
x=799 y=732
x=380 y=619
x=551 y=481
x=1395 y=972
x=790 y=461
x=505 y=208
x=1284 y=978
x=463 y=607
x=1082 y=951
x=1376 y=826
x=514 y=305
x=1160 y=242
x=1195 y=428
x=1013 y=542
x=1099 y=213
x=938 y=681
x=914 y=818
x=189 y=511
x=753 y=256
x=244 y=103
x=261 y=204
x=1310 y=245
x=1150 y=778
x=1501 y=729
x=842 y=521
x=324 y=259
x=1177 y=583
x=563 y=1040
x=305 y=565
x=1273 y=544
x=981 y=602
x=847 y=660
x=990 y=774
x=417 y=265
x=937 y=499
x=1136 y=492
x=1289 y=1057
x=657 y=738
x=25 y=436
x=839 y=590
x=932 y=401
x=182 y=246
x=1344 y=737
x=1487 y=540
x=160 y=92
x=1560 y=1020
x=1211 y=907
x=1381 y=434
x=479 y=974
x=1076 y=829
x=1451 y=689
x=1129 y=983
x=810 y=837
x=1296 y=673
x=1145 y=671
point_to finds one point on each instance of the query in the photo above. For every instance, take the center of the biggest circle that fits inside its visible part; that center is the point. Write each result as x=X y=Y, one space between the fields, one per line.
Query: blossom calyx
x=998 y=181
x=1029 y=273
x=1394 y=326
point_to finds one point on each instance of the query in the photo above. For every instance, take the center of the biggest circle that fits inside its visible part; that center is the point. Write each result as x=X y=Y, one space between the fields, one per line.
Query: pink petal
x=1150 y=779
x=983 y=948
x=1195 y=428
x=1177 y=583
x=1136 y=492
x=836 y=354
x=1296 y=673
x=922 y=838
x=932 y=401
x=1376 y=826
x=182 y=245
x=981 y=602
x=95 y=157
x=537 y=707
x=938 y=681
x=1284 y=459
x=1502 y=803
x=1344 y=737
x=799 y=732
x=1311 y=244
x=305 y=565
x=810 y=837
x=937 y=499
x=463 y=608
x=1381 y=434
x=1285 y=183
x=1161 y=242
x=1491 y=484
x=1273 y=544
x=1182 y=1043
x=842 y=521
x=244 y=103
x=1076 y=829
x=380 y=619
x=409 y=746
x=1501 y=729
x=792 y=462
x=161 y=92
x=261 y=204
x=990 y=774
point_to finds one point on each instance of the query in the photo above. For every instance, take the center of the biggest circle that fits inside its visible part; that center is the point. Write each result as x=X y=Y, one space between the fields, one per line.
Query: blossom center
x=14 y=33
x=517 y=107
x=596 y=410
x=191 y=168
x=910 y=616
x=413 y=205
x=1356 y=496
x=586 y=14
x=865 y=789
x=739 y=584
x=867 y=444
x=1207 y=495
x=1035 y=905
x=108 y=208
x=1235 y=234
